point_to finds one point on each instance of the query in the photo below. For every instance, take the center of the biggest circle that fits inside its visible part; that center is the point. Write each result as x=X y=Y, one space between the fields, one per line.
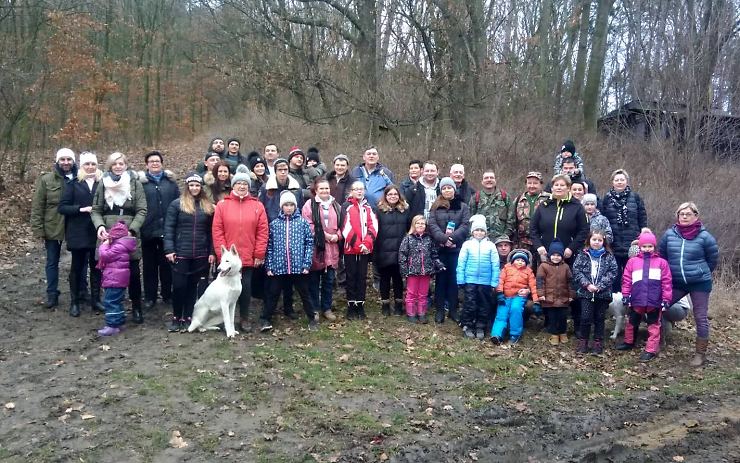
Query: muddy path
x=376 y=391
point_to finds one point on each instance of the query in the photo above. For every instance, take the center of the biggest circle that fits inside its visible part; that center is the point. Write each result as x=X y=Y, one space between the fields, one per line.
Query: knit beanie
x=519 y=254
x=296 y=151
x=87 y=156
x=478 y=222
x=568 y=146
x=65 y=153
x=193 y=177
x=312 y=154
x=287 y=197
x=589 y=198
x=119 y=230
x=647 y=237
x=279 y=161
x=228 y=142
x=211 y=154
x=241 y=175
x=447 y=181
x=556 y=247
x=342 y=157
x=254 y=158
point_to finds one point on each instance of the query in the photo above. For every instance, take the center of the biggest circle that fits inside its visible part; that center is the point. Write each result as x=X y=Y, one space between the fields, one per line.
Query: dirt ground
x=381 y=390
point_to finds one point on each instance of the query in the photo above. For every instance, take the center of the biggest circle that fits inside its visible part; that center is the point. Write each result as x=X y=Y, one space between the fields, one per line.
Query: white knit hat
x=478 y=222
x=65 y=153
x=86 y=157
x=287 y=197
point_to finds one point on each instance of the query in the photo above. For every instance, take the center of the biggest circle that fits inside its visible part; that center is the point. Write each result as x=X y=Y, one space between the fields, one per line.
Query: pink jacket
x=647 y=280
x=330 y=256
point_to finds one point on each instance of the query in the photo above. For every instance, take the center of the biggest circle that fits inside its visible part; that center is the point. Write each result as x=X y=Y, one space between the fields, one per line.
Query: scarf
x=689 y=232
x=117 y=189
x=620 y=200
x=319 y=210
x=156 y=177
x=596 y=253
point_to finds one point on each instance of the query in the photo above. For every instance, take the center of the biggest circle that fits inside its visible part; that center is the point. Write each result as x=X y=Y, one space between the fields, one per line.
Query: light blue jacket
x=478 y=263
x=375 y=181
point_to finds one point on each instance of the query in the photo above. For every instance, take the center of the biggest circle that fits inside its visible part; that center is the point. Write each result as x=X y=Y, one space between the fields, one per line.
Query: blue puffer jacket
x=290 y=245
x=691 y=261
x=478 y=263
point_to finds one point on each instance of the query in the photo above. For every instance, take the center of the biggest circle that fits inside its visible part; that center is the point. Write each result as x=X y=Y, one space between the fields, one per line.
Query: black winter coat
x=340 y=189
x=564 y=220
x=636 y=218
x=158 y=198
x=415 y=195
x=79 y=231
x=439 y=216
x=187 y=235
x=392 y=227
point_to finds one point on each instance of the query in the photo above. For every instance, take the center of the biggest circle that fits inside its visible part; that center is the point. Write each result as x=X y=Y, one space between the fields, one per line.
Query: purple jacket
x=646 y=280
x=114 y=262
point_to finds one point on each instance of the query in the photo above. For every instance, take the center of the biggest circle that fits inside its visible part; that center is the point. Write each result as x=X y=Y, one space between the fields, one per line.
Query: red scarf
x=689 y=232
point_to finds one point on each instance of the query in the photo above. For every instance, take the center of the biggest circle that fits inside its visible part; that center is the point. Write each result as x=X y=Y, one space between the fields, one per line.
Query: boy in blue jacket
x=477 y=273
x=288 y=260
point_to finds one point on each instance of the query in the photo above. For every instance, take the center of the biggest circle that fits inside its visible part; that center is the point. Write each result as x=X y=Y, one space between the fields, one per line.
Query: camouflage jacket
x=523 y=216
x=498 y=210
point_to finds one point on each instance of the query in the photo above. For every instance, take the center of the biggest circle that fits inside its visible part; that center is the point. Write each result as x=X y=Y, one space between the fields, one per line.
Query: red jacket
x=243 y=222
x=359 y=226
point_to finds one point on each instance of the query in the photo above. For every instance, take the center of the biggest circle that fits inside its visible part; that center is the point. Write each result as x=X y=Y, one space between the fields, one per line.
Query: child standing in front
x=113 y=261
x=594 y=271
x=478 y=272
x=556 y=293
x=516 y=283
x=647 y=290
x=418 y=260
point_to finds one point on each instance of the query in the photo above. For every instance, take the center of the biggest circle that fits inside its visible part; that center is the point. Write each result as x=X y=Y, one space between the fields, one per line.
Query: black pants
x=277 y=283
x=388 y=275
x=621 y=263
x=134 y=283
x=186 y=276
x=575 y=314
x=477 y=306
x=356 y=267
x=156 y=270
x=557 y=319
x=592 y=313
x=82 y=259
x=245 y=298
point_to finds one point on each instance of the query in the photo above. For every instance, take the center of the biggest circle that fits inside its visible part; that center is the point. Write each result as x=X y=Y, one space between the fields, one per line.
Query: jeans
x=156 y=270
x=510 y=313
x=115 y=315
x=53 y=252
x=321 y=287
x=700 y=302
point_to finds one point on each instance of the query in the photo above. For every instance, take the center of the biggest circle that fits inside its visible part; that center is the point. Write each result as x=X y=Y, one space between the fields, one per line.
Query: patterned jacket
x=498 y=209
x=600 y=222
x=290 y=246
x=606 y=272
x=523 y=217
x=418 y=255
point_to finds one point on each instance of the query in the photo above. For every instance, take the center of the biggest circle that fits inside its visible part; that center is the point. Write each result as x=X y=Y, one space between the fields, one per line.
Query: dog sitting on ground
x=619 y=311
x=217 y=305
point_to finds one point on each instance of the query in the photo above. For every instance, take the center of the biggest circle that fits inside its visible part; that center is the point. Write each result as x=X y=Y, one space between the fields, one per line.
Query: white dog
x=619 y=312
x=218 y=303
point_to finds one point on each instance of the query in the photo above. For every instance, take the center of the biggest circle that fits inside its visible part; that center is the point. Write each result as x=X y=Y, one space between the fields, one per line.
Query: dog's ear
x=223 y=250
x=233 y=250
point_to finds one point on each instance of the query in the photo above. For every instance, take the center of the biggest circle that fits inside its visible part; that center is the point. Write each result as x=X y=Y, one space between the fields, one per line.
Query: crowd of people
x=555 y=250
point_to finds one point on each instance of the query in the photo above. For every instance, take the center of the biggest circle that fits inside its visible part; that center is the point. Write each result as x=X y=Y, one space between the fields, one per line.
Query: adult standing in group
x=271 y=154
x=46 y=221
x=269 y=195
x=394 y=219
x=322 y=213
x=359 y=227
x=240 y=219
x=526 y=203
x=374 y=175
x=449 y=226
x=218 y=181
x=340 y=181
x=296 y=163
x=120 y=197
x=422 y=194
x=233 y=155
x=160 y=189
x=210 y=160
x=75 y=206
x=626 y=214
x=464 y=191
x=493 y=203
x=410 y=182
x=258 y=172
x=188 y=247
x=693 y=254
x=217 y=146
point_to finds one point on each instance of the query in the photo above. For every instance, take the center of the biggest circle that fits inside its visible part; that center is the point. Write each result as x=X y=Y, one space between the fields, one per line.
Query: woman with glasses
x=692 y=253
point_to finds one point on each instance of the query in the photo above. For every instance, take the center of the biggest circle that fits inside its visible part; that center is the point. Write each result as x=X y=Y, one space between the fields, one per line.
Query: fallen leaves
x=176 y=441
x=10 y=406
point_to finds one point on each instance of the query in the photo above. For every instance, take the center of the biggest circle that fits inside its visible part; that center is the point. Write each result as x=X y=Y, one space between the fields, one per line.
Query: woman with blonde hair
x=188 y=247
x=394 y=218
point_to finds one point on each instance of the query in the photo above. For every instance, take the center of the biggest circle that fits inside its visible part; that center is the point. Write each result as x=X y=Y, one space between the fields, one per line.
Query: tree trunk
x=596 y=65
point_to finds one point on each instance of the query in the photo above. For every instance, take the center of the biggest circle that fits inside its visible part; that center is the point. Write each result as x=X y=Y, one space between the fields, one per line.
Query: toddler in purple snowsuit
x=114 y=262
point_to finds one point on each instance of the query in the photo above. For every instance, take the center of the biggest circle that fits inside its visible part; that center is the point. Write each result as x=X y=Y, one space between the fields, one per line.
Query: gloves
x=626 y=301
x=537 y=309
x=664 y=306
x=501 y=298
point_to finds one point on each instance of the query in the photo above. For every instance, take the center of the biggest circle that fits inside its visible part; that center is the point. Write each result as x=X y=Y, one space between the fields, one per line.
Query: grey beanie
x=241 y=175
x=447 y=181
x=589 y=198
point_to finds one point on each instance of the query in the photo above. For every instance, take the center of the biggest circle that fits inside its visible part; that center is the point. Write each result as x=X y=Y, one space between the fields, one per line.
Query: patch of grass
x=144 y=384
x=209 y=443
x=204 y=388
x=150 y=441
x=713 y=380
x=223 y=349
x=44 y=454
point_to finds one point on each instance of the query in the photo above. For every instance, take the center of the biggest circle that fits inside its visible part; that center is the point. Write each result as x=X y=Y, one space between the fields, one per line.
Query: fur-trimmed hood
x=141 y=175
x=271 y=183
x=516 y=250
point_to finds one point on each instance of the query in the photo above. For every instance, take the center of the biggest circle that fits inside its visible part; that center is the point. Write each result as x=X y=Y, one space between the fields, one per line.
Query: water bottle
x=450 y=227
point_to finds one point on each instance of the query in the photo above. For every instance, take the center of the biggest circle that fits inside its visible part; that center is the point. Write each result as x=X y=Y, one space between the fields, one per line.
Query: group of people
x=553 y=250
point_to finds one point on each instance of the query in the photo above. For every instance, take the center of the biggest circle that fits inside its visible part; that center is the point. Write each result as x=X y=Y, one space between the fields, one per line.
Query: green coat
x=498 y=209
x=46 y=221
x=134 y=211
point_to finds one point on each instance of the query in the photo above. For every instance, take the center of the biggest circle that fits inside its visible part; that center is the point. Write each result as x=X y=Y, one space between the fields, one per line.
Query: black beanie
x=568 y=146
x=312 y=154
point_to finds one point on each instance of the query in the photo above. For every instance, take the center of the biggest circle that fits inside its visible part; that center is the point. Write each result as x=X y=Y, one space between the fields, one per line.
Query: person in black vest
x=160 y=189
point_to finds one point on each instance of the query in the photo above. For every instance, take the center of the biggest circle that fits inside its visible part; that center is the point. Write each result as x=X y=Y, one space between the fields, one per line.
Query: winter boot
x=439 y=316
x=398 y=307
x=582 y=346
x=74 y=307
x=137 y=314
x=361 y=310
x=174 y=325
x=625 y=346
x=95 y=303
x=74 y=295
x=386 y=307
x=647 y=356
x=351 y=310
x=554 y=340
x=700 y=357
x=598 y=347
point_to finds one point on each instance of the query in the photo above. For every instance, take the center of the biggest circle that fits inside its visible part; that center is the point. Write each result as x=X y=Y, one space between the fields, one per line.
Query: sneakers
x=554 y=340
x=468 y=332
x=647 y=356
x=423 y=319
x=329 y=315
x=312 y=325
x=582 y=346
x=563 y=338
x=185 y=324
x=480 y=334
x=175 y=326
x=496 y=340
x=411 y=318
x=625 y=346
x=109 y=331
x=598 y=347
x=265 y=325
